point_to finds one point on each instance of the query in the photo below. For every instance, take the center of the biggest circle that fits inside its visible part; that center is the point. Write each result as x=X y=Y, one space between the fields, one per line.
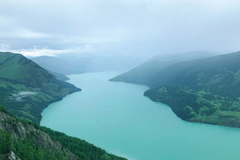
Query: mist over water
x=118 y=118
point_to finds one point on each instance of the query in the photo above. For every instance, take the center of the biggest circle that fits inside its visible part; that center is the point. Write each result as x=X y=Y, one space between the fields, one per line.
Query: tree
x=5 y=142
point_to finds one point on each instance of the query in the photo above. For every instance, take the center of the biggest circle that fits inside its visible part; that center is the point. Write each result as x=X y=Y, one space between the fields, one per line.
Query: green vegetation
x=205 y=90
x=26 y=88
x=33 y=142
x=5 y=142
x=80 y=148
x=143 y=73
x=29 y=150
x=198 y=106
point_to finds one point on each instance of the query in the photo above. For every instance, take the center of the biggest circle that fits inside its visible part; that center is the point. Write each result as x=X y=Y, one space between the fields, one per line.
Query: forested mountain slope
x=26 y=88
x=206 y=90
x=142 y=74
x=32 y=142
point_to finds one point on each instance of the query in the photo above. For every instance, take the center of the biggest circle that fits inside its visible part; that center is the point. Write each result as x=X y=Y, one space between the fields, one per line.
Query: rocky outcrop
x=9 y=156
x=19 y=130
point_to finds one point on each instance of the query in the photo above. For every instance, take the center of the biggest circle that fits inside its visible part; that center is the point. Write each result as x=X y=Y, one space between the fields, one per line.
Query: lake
x=118 y=118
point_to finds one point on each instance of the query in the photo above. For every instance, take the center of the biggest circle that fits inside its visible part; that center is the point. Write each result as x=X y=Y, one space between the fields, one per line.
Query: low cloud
x=21 y=95
x=34 y=52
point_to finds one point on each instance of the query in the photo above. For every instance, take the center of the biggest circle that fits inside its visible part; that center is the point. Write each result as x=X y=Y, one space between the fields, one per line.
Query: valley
x=117 y=117
x=119 y=80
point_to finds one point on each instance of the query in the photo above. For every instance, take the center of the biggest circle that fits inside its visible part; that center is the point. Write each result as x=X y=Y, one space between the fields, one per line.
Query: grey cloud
x=135 y=27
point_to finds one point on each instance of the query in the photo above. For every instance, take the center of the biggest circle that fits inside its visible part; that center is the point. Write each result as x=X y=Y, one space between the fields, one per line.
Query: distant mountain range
x=77 y=64
x=26 y=88
x=204 y=90
x=142 y=74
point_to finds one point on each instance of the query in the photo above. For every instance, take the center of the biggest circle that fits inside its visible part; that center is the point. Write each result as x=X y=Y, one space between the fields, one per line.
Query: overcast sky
x=119 y=27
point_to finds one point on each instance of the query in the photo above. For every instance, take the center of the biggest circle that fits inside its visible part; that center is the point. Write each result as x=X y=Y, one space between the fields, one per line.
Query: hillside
x=31 y=142
x=26 y=88
x=218 y=74
x=59 y=76
x=142 y=74
x=206 y=90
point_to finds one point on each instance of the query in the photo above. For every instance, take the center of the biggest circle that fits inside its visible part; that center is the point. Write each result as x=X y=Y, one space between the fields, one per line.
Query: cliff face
x=19 y=130
x=9 y=156
x=32 y=142
x=27 y=132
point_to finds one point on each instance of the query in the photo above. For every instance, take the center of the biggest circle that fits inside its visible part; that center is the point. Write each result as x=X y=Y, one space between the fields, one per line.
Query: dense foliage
x=199 y=106
x=219 y=75
x=206 y=90
x=36 y=145
x=29 y=150
x=5 y=142
x=79 y=147
x=26 y=88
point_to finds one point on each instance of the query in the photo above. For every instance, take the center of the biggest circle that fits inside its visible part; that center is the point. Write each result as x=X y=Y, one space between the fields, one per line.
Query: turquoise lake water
x=118 y=118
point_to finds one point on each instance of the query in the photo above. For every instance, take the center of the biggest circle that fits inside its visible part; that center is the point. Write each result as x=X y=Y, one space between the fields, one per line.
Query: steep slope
x=206 y=90
x=26 y=88
x=33 y=142
x=142 y=74
x=59 y=76
x=216 y=74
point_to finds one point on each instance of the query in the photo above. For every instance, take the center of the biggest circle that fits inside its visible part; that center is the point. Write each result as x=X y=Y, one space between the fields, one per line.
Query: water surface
x=117 y=117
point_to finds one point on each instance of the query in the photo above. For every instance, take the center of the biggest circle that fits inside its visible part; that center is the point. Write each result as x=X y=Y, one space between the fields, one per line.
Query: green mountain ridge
x=218 y=74
x=26 y=88
x=28 y=141
x=204 y=90
x=143 y=73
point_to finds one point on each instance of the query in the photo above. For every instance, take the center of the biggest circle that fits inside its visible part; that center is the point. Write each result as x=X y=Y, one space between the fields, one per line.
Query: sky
x=119 y=27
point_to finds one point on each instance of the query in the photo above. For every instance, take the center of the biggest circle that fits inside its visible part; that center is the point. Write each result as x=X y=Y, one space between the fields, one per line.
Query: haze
x=124 y=27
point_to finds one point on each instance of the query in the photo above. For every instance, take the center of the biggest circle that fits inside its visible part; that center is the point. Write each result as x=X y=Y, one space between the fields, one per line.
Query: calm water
x=117 y=117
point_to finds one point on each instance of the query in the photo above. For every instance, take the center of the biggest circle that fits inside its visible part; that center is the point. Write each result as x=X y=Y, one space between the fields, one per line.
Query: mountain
x=77 y=64
x=204 y=90
x=218 y=74
x=142 y=74
x=25 y=140
x=58 y=65
x=26 y=88
x=59 y=76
